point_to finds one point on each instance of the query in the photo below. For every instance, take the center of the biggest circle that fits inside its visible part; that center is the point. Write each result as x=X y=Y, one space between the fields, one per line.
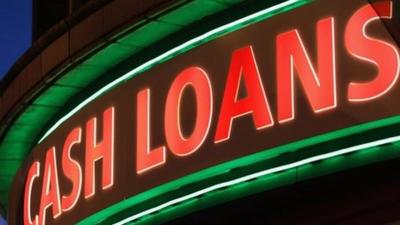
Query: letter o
x=198 y=79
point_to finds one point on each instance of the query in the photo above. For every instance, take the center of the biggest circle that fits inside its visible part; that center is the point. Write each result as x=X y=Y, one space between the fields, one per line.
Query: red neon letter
x=382 y=54
x=72 y=170
x=145 y=157
x=50 y=190
x=320 y=88
x=243 y=65
x=103 y=150
x=34 y=172
x=198 y=79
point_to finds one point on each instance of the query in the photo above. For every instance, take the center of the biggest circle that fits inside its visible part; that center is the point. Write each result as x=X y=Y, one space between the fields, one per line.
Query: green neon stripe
x=272 y=181
x=257 y=175
x=208 y=36
x=206 y=174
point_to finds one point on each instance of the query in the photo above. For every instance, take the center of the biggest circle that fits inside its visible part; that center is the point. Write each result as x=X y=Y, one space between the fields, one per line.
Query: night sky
x=15 y=32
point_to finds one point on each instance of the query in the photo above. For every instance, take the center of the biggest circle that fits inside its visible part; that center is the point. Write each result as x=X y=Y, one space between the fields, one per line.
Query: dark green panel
x=9 y=167
x=5 y=181
x=56 y=96
x=230 y=1
x=4 y=198
x=192 y=12
x=13 y=150
x=34 y=115
x=21 y=133
x=112 y=55
x=81 y=76
x=152 y=32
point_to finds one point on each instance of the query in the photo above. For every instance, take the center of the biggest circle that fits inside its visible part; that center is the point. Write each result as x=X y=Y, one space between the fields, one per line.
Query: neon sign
x=201 y=112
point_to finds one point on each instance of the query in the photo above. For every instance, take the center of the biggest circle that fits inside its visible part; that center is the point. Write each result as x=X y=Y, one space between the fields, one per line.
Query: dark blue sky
x=15 y=34
x=15 y=31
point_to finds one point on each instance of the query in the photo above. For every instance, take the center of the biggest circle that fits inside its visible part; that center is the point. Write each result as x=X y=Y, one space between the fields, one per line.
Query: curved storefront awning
x=156 y=40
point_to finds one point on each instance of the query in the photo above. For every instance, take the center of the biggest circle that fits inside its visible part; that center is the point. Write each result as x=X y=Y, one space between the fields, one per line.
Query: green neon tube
x=217 y=32
x=371 y=127
x=258 y=175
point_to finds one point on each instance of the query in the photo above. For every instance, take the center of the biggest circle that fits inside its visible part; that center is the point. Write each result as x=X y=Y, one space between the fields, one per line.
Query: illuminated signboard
x=318 y=68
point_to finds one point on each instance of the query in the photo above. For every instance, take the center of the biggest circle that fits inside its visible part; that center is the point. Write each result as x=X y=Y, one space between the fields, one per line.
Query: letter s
x=378 y=52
